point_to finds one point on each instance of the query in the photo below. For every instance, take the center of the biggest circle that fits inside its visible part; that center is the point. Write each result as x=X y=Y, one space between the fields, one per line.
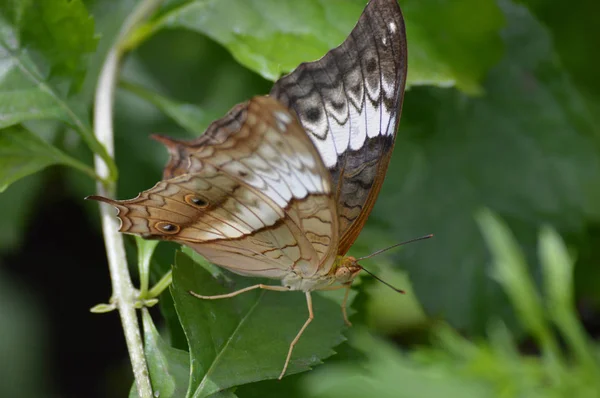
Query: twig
x=124 y=294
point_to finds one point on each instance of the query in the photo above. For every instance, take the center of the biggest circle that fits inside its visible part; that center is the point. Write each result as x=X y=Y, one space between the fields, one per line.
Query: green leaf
x=243 y=339
x=510 y=270
x=558 y=270
x=451 y=45
x=42 y=50
x=558 y=278
x=388 y=373
x=23 y=153
x=570 y=29
x=525 y=150
x=189 y=116
x=386 y=310
x=448 y=43
x=64 y=32
x=169 y=368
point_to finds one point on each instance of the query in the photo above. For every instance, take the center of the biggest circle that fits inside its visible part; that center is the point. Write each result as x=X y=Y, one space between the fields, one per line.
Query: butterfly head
x=347 y=268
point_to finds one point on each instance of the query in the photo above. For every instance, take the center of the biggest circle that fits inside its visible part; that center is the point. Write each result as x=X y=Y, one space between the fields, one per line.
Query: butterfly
x=282 y=185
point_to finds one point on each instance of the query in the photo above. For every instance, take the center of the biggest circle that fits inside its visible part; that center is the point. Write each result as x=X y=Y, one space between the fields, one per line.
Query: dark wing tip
x=167 y=141
x=101 y=199
x=178 y=152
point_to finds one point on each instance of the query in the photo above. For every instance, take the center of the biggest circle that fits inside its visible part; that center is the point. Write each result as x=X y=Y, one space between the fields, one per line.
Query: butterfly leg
x=346 y=286
x=295 y=341
x=246 y=289
x=344 y=302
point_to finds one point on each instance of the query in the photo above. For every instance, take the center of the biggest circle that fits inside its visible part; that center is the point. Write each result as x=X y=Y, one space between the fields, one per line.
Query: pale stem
x=124 y=294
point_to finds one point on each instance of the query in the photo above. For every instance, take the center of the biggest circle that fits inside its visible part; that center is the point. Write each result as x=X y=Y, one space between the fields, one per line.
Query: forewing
x=350 y=102
x=257 y=199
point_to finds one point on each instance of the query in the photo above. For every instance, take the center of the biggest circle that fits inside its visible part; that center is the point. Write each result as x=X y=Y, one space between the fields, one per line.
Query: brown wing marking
x=258 y=202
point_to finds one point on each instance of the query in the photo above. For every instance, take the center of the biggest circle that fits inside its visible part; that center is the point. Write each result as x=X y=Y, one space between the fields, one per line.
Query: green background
x=501 y=112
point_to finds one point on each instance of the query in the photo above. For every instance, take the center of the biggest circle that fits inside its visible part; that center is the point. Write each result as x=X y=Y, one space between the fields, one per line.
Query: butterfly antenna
x=382 y=281
x=396 y=245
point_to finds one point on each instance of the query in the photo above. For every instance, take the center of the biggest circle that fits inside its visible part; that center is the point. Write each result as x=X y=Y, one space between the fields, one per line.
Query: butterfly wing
x=350 y=102
x=258 y=201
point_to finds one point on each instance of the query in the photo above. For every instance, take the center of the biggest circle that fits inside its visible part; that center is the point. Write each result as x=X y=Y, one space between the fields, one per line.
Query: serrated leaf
x=23 y=153
x=448 y=43
x=64 y=32
x=388 y=373
x=243 y=339
x=42 y=50
x=525 y=150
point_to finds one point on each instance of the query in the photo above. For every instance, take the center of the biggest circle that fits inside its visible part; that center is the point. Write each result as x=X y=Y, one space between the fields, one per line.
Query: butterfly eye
x=167 y=228
x=196 y=201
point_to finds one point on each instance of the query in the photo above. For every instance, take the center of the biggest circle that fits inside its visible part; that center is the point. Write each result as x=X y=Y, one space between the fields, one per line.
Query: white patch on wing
x=282 y=120
x=355 y=91
x=196 y=234
x=282 y=117
x=385 y=121
x=393 y=27
x=337 y=107
x=299 y=189
x=230 y=212
x=281 y=126
x=388 y=86
x=242 y=209
x=255 y=162
x=358 y=132
x=341 y=135
x=274 y=189
x=327 y=151
x=227 y=230
x=266 y=213
x=373 y=120
x=173 y=189
x=307 y=159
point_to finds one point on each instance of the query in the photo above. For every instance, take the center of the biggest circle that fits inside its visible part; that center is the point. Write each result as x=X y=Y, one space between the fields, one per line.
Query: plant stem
x=161 y=285
x=124 y=293
x=82 y=167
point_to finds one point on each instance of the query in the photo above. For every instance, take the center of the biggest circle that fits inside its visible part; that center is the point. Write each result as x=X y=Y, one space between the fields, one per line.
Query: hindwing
x=256 y=198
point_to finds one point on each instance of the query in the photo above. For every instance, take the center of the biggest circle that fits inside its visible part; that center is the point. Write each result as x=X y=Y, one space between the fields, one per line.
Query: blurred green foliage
x=502 y=113
x=457 y=367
